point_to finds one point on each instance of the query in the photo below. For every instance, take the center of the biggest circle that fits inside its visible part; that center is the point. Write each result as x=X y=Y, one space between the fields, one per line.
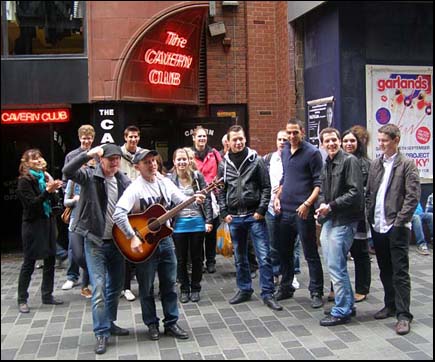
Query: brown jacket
x=403 y=190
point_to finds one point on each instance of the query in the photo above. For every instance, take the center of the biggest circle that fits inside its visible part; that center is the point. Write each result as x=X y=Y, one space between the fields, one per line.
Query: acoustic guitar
x=150 y=227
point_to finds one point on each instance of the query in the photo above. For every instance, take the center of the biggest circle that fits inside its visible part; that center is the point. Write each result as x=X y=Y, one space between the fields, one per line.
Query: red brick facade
x=256 y=69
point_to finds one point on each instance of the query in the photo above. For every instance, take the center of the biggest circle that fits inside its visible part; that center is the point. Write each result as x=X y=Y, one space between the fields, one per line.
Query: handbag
x=66 y=215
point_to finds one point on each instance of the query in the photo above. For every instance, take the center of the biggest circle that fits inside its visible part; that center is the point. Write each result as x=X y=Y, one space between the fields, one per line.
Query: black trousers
x=210 y=244
x=25 y=277
x=392 y=250
x=361 y=257
x=185 y=243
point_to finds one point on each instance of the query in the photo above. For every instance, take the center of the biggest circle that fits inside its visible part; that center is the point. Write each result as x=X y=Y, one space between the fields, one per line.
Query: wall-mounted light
x=230 y=3
x=226 y=42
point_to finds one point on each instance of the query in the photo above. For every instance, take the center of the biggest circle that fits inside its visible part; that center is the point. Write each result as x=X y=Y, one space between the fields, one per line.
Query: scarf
x=202 y=154
x=40 y=177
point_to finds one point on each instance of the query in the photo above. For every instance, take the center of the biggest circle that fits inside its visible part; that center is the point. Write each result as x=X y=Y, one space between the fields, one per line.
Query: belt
x=107 y=240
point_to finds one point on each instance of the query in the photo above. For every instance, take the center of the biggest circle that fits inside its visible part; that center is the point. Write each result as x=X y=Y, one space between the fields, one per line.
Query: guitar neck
x=171 y=213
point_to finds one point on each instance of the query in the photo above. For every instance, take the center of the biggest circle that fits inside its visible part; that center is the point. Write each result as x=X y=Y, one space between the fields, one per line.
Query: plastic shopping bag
x=224 y=245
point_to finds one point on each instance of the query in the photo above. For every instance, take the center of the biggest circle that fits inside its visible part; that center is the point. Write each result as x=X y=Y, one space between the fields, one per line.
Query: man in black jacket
x=341 y=207
x=100 y=190
x=243 y=203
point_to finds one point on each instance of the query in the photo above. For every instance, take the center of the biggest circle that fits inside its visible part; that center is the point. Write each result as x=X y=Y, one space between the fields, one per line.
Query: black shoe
x=316 y=301
x=100 y=346
x=153 y=332
x=352 y=313
x=176 y=331
x=52 y=301
x=271 y=303
x=184 y=297
x=194 y=297
x=118 y=331
x=283 y=294
x=240 y=297
x=211 y=268
x=385 y=313
x=330 y=321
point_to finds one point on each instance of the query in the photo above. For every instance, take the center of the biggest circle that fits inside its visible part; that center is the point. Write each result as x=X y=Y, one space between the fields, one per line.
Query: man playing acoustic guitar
x=149 y=189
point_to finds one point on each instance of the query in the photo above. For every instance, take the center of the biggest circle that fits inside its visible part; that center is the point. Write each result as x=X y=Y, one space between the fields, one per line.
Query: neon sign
x=171 y=59
x=36 y=116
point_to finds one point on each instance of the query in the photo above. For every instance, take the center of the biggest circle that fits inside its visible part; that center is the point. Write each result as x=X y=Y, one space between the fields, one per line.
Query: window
x=43 y=27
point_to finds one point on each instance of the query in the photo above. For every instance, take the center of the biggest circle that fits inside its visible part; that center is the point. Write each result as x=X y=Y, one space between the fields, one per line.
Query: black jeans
x=290 y=225
x=361 y=257
x=185 y=242
x=210 y=244
x=392 y=250
x=25 y=277
x=130 y=269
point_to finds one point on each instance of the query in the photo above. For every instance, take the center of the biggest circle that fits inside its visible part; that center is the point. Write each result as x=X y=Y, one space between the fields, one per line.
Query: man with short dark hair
x=243 y=203
x=393 y=192
x=341 y=208
x=299 y=189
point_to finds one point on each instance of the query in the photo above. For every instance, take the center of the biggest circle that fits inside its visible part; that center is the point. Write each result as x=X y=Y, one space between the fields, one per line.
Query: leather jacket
x=342 y=188
x=247 y=189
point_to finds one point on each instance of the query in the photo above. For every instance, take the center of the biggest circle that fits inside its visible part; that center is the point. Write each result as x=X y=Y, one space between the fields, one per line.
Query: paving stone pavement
x=217 y=329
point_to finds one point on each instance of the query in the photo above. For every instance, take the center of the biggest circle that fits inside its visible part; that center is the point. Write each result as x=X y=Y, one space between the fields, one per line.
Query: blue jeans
x=164 y=262
x=336 y=242
x=106 y=270
x=417 y=226
x=73 y=272
x=239 y=228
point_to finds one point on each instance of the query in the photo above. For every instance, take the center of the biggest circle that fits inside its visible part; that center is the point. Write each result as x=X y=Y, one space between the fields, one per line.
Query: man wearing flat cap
x=101 y=188
x=149 y=189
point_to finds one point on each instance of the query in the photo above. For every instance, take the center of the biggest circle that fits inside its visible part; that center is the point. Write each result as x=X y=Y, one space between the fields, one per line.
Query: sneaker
x=86 y=292
x=295 y=283
x=69 y=284
x=129 y=295
x=39 y=266
x=423 y=249
x=316 y=301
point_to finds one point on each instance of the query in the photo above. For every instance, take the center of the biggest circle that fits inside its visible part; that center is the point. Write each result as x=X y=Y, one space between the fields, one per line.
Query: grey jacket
x=403 y=190
x=91 y=209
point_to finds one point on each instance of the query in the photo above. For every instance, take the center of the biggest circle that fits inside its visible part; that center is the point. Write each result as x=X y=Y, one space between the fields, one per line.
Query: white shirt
x=275 y=174
x=380 y=224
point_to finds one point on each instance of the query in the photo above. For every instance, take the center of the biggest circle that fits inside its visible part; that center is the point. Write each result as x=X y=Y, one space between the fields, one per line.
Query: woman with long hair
x=190 y=226
x=36 y=191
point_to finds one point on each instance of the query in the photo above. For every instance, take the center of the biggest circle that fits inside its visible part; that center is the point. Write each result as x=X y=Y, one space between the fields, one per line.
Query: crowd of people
x=273 y=205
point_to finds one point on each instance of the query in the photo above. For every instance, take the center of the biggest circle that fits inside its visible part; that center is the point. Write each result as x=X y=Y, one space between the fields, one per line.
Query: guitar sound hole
x=154 y=225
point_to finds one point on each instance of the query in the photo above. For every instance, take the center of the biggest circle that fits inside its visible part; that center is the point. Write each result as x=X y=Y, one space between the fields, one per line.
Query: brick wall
x=255 y=70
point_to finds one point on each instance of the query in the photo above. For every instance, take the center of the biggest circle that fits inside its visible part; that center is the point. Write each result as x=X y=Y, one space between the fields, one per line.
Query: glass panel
x=45 y=27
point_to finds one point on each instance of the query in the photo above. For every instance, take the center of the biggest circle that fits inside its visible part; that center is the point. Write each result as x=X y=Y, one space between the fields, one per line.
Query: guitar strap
x=163 y=202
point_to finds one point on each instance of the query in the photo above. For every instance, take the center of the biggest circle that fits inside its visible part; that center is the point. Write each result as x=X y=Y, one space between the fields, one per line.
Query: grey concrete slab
x=217 y=329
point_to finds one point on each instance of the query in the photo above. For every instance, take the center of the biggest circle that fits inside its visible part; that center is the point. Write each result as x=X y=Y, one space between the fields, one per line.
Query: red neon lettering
x=34 y=116
x=399 y=83
x=167 y=58
x=175 y=40
x=164 y=78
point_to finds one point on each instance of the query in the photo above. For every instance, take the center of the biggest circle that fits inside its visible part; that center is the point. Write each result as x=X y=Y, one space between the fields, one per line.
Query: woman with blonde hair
x=36 y=191
x=190 y=226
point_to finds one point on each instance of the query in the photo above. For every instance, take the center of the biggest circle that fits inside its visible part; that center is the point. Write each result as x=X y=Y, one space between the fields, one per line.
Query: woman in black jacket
x=36 y=192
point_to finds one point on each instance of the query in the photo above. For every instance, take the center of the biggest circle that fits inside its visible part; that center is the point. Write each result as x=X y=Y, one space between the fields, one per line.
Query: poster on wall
x=320 y=116
x=402 y=95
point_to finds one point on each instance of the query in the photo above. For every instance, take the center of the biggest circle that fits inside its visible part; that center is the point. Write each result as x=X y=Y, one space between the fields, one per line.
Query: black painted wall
x=43 y=81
